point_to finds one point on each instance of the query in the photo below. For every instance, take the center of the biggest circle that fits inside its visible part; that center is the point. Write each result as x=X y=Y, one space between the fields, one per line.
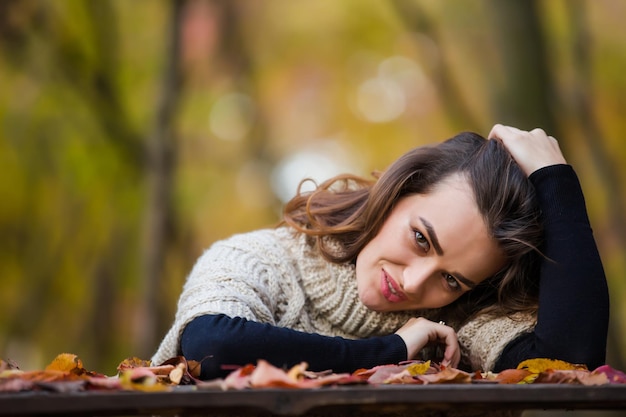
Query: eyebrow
x=432 y=235
x=435 y=241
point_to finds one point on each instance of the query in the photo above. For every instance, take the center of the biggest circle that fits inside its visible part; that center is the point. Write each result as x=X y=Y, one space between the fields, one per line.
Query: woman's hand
x=531 y=150
x=419 y=332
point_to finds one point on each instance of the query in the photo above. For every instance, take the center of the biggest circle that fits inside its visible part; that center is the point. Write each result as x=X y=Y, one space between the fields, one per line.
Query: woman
x=481 y=247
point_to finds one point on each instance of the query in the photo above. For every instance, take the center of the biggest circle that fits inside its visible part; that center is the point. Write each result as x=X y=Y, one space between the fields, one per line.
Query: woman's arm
x=572 y=323
x=222 y=343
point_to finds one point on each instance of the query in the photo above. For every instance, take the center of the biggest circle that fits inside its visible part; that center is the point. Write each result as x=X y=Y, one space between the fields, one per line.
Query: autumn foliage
x=66 y=373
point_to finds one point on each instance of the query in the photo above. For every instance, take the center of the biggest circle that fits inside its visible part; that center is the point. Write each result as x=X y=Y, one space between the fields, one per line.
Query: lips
x=390 y=288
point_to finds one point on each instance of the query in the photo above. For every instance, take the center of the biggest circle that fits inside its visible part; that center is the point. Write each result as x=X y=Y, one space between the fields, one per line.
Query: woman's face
x=431 y=249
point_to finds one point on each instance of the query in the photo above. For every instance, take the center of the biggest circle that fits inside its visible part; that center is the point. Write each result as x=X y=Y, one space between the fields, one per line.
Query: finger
x=452 y=354
x=538 y=132
x=502 y=132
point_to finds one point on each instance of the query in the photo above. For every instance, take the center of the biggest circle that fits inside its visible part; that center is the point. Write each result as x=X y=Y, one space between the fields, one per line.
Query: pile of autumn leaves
x=67 y=374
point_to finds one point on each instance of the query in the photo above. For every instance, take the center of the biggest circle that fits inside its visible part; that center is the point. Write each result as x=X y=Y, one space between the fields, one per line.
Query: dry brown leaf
x=572 y=376
x=133 y=362
x=176 y=375
x=447 y=376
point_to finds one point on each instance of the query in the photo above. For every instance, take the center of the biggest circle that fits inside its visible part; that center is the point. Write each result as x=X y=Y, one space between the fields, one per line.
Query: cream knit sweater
x=275 y=276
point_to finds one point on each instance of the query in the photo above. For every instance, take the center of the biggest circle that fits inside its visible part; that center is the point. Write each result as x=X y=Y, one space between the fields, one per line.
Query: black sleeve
x=222 y=343
x=572 y=322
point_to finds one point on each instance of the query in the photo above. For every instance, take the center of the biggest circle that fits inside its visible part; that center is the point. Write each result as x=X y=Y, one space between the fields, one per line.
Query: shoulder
x=260 y=241
x=272 y=248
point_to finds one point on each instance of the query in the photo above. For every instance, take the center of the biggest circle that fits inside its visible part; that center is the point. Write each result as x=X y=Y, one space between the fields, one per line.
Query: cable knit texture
x=275 y=276
x=483 y=339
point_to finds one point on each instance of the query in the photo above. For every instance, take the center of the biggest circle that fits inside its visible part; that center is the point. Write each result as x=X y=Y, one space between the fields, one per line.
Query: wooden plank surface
x=340 y=400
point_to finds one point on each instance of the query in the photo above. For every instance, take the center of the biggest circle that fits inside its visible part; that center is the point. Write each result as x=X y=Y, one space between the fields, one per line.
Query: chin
x=373 y=304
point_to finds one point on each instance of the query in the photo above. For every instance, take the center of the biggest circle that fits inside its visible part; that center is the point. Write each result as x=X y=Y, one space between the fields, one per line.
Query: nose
x=417 y=275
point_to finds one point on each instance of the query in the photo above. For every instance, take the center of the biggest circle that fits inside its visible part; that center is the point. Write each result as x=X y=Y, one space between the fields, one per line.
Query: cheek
x=443 y=298
x=367 y=255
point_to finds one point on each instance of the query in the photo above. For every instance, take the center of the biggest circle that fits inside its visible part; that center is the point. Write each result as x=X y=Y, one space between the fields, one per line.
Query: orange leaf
x=512 y=376
x=66 y=362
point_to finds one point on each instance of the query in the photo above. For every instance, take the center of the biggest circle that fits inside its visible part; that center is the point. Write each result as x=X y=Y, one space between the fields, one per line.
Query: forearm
x=573 y=299
x=220 y=342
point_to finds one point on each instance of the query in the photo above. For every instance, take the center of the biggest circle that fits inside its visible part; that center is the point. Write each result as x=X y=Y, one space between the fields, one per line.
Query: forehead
x=448 y=206
x=460 y=229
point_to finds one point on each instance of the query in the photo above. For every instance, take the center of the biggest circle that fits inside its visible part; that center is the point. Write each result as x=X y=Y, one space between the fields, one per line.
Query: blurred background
x=133 y=134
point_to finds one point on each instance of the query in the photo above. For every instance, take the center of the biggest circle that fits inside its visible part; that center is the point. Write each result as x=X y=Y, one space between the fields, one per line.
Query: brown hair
x=350 y=211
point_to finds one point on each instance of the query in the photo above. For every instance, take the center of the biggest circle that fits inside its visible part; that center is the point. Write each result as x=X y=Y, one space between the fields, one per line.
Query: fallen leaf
x=613 y=375
x=538 y=365
x=140 y=379
x=66 y=362
x=133 y=362
x=447 y=376
x=15 y=385
x=512 y=376
x=194 y=368
x=266 y=375
x=419 y=368
x=176 y=375
x=380 y=374
x=106 y=383
x=239 y=378
x=571 y=376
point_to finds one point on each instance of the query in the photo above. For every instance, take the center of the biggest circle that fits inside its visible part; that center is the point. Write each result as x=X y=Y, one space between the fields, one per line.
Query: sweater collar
x=332 y=293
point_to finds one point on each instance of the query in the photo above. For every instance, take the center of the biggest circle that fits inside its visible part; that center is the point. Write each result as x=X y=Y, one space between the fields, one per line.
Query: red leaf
x=613 y=375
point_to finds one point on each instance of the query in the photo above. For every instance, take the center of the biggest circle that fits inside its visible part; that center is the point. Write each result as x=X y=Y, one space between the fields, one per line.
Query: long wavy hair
x=350 y=210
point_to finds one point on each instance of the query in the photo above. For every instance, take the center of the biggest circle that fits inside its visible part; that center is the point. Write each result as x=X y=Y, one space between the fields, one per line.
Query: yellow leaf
x=296 y=372
x=529 y=379
x=418 y=368
x=539 y=365
x=140 y=379
x=65 y=362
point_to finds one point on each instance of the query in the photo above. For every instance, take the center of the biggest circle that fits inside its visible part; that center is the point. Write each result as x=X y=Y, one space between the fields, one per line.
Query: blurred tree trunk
x=160 y=155
x=91 y=77
x=526 y=100
x=583 y=108
x=458 y=112
x=529 y=98
x=108 y=110
x=235 y=53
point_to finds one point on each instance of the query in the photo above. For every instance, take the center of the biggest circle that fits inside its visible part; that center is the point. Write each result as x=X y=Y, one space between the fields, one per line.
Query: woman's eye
x=452 y=283
x=421 y=241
